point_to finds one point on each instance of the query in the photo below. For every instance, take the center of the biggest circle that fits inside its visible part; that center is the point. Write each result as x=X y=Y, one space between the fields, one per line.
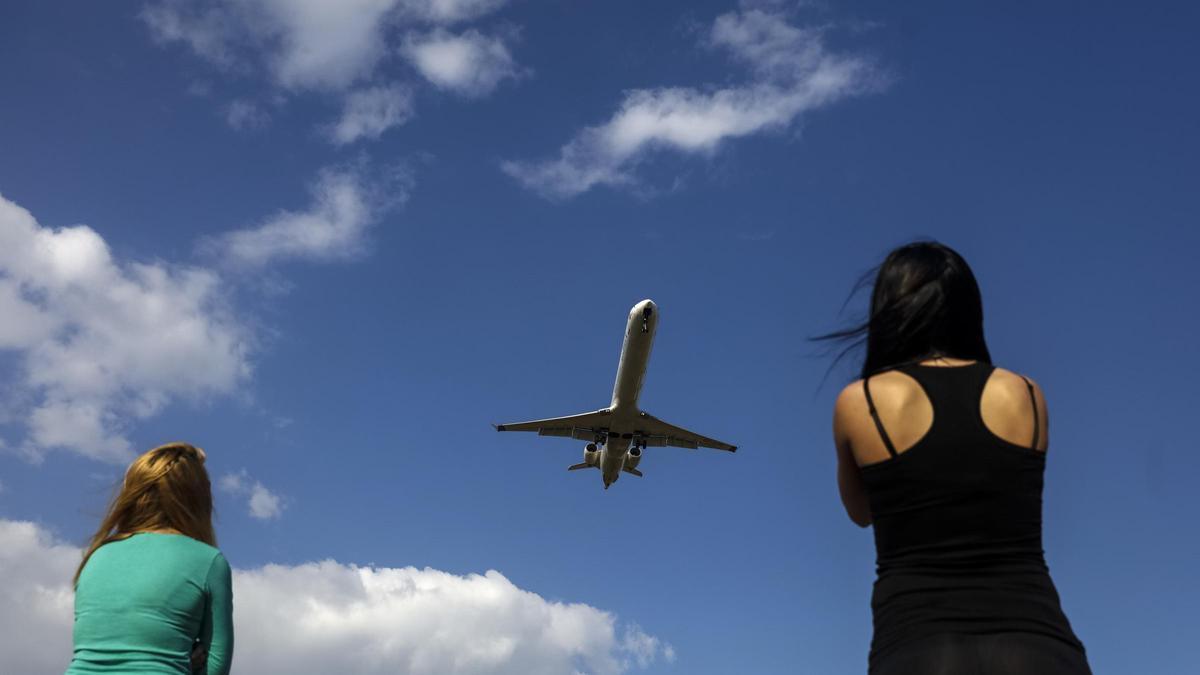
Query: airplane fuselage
x=631 y=371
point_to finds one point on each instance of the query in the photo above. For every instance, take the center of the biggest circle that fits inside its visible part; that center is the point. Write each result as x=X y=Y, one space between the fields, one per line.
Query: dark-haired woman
x=944 y=454
x=153 y=593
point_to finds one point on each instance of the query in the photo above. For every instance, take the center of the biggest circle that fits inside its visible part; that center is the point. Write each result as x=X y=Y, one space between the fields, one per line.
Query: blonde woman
x=153 y=593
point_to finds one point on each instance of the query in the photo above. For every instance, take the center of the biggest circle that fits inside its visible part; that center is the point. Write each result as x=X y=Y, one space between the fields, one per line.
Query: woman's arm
x=850 y=485
x=220 y=617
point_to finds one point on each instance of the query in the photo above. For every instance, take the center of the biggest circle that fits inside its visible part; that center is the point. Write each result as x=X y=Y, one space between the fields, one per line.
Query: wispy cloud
x=345 y=204
x=246 y=116
x=367 y=113
x=340 y=49
x=791 y=73
x=208 y=31
x=102 y=342
x=448 y=11
x=330 y=617
x=302 y=45
x=470 y=63
x=262 y=503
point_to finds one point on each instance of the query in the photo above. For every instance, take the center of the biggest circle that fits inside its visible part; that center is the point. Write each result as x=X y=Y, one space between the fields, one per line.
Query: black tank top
x=958 y=524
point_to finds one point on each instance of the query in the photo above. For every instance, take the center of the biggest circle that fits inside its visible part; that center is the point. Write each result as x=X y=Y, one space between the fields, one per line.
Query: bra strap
x=875 y=416
x=1032 y=399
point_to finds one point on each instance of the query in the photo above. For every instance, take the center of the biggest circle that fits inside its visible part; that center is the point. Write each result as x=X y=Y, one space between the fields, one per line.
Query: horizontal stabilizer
x=632 y=471
x=581 y=465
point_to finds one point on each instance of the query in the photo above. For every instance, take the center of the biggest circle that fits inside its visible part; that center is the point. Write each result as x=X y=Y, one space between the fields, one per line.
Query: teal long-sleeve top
x=141 y=602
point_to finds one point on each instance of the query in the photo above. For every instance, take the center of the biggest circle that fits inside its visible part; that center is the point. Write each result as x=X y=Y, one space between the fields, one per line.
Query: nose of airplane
x=647 y=308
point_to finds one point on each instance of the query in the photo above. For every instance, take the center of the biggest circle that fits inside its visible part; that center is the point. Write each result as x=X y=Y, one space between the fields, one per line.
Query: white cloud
x=792 y=73
x=368 y=113
x=328 y=617
x=645 y=649
x=100 y=342
x=207 y=31
x=344 y=206
x=36 y=601
x=304 y=44
x=448 y=11
x=246 y=116
x=470 y=63
x=320 y=44
x=262 y=503
x=340 y=49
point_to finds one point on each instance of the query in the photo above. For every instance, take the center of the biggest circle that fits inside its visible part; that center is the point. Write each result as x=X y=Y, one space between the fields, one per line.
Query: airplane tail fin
x=633 y=471
x=581 y=465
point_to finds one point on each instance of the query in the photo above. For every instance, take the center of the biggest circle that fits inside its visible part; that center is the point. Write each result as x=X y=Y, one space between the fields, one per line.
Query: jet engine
x=633 y=457
x=591 y=454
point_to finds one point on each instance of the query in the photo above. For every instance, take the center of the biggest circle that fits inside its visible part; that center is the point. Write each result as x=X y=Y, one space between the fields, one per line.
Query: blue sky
x=332 y=248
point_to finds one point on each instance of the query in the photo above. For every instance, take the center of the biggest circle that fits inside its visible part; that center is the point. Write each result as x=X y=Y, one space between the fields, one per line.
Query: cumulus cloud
x=329 y=617
x=101 y=342
x=36 y=601
x=303 y=44
x=792 y=73
x=345 y=204
x=246 y=116
x=367 y=113
x=261 y=502
x=470 y=63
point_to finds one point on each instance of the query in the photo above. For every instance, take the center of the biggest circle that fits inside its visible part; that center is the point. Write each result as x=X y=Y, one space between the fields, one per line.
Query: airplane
x=617 y=434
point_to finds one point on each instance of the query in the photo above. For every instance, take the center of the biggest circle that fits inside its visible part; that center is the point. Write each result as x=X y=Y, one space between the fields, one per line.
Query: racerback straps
x=875 y=416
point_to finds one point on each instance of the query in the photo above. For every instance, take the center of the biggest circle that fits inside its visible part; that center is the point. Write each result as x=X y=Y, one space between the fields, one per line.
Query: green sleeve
x=220 y=616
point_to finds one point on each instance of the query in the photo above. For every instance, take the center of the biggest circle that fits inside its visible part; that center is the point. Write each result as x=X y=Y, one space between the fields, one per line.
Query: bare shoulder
x=1013 y=385
x=891 y=393
x=850 y=399
x=887 y=389
x=1007 y=411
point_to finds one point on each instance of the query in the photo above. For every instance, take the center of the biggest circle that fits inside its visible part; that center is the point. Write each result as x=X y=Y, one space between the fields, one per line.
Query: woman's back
x=956 y=509
x=142 y=601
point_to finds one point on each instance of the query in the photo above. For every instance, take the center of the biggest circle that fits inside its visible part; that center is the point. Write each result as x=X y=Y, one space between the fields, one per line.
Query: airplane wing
x=584 y=426
x=658 y=433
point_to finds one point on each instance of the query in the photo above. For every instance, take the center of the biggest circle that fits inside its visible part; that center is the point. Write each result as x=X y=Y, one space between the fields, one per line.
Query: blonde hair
x=167 y=488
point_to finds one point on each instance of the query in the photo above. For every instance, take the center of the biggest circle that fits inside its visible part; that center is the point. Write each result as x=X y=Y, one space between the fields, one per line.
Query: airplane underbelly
x=632 y=370
x=614 y=456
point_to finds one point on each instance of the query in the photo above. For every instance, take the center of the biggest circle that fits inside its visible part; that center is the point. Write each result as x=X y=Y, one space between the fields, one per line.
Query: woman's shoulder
x=173 y=545
x=147 y=551
x=886 y=384
x=1014 y=383
x=196 y=547
x=894 y=388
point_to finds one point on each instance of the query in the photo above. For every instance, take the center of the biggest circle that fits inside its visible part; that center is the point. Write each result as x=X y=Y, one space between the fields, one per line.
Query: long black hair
x=925 y=304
